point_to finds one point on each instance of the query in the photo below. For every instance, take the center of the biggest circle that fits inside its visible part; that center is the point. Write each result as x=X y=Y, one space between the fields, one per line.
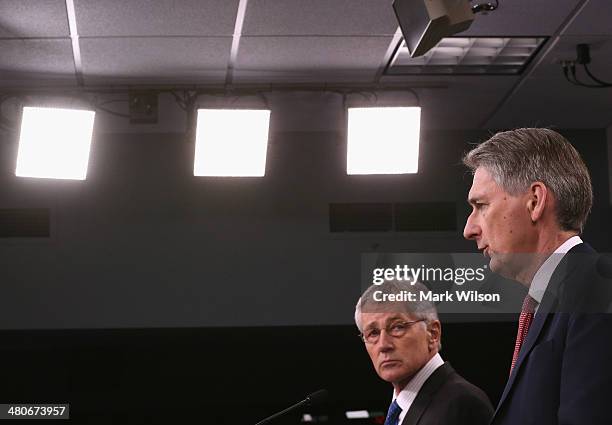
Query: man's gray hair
x=517 y=158
x=419 y=309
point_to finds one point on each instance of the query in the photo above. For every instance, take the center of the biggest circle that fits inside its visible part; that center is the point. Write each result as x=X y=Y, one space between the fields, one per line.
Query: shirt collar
x=406 y=397
x=542 y=277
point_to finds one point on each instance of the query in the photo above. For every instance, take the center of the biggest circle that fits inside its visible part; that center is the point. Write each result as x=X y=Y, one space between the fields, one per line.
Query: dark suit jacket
x=448 y=399
x=563 y=374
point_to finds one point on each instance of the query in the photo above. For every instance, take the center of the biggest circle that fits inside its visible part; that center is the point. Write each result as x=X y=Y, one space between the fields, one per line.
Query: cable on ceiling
x=485 y=7
x=583 y=57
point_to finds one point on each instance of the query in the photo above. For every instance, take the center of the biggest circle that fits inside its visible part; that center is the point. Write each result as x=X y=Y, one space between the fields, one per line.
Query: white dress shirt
x=540 y=280
x=406 y=397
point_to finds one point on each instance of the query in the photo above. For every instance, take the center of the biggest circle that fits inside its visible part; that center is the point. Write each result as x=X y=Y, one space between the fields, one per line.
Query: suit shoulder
x=587 y=286
x=460 y=402
x=463 y=391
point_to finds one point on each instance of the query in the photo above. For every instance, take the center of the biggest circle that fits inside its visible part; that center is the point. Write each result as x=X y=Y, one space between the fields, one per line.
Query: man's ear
x=538 y=198
x=434 y=330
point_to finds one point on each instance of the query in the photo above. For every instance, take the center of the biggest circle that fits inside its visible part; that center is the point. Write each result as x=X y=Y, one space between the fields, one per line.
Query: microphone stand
x=282 y=412
x=314 y=398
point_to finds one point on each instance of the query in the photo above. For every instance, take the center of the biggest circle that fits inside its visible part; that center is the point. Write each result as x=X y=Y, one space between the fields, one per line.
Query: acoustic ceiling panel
x=310 y=59
x=522 y=17
x=522 y=110
x=548 y=99
x=465 y=103
x=33 y=18
x=174 y=59
x=36 y=56
x=594 y=19
x=319 y=17
x=565 y=49
x=156 y=18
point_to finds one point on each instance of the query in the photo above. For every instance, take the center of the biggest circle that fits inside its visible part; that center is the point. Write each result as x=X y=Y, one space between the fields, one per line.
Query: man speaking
x=403 y=340
x=530 y=197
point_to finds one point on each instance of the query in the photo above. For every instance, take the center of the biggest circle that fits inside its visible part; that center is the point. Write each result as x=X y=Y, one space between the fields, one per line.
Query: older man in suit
x=530 y=197
x=403 y=341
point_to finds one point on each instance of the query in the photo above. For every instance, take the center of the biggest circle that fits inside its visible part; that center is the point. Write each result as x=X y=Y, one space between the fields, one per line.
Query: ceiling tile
x=33 y=18
x=143 y=59
x=156 y=18
x=319 y=17
x=466 y=103
x=308 y=59
x=595 y=19
x=545 y=103
x=37 y=56
x=522 y=17
x=548 y=99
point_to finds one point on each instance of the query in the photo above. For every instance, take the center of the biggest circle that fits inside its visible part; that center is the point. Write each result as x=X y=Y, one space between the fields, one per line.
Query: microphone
x=311 y=399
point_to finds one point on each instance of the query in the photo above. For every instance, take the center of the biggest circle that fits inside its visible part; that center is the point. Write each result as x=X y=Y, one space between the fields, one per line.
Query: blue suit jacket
x=564 y=371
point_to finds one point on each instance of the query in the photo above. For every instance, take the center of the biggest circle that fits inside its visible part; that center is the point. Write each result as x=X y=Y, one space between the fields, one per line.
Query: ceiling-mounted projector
x=425 y=22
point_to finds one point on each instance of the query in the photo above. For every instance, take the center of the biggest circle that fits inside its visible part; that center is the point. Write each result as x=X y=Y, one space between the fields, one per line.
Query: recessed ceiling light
x=474 y=55
x=231 y=142
x=54 y=143
x=383 y=140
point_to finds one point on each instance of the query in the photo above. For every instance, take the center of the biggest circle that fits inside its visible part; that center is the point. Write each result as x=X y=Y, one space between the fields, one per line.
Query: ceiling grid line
x=74 y=36
x=30 y=38
x=466 y=50
x=148 y=36
x=242 y=6
x=393 y=46
x=292 y=45
x=427 y=57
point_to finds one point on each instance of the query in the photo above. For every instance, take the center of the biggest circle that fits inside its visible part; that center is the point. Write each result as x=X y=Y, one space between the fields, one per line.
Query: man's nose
x=471 y=229
x=385 y=341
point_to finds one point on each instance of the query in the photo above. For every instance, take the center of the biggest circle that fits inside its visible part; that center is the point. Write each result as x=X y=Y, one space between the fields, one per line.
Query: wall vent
x=24 y=223
x=425 y=217
x=361 y=217
x=388 y=217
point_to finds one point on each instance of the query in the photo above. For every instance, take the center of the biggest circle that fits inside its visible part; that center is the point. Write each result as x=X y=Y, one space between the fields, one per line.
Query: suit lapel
x=539 y=320
x=426 y=393
x=549 y=303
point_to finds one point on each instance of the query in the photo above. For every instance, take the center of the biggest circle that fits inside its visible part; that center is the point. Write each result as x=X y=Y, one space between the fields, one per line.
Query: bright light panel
x=383 y=140
x=357 y=414
x=231 y=142
x=54 y=143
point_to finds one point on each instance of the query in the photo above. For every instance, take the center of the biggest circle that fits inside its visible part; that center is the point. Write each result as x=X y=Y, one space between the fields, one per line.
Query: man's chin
x=504 y=265
x=390 y=376
x=496 y=265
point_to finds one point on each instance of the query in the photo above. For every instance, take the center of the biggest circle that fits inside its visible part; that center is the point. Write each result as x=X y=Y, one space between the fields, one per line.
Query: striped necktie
x=393 y=414
x=525 y=319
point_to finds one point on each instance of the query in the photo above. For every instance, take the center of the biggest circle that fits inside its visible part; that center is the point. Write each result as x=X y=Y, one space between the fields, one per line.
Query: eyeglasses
x=396 y=329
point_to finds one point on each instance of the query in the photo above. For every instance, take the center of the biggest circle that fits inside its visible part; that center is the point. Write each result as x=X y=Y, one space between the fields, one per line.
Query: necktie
x=525 y=320
x=393 y=414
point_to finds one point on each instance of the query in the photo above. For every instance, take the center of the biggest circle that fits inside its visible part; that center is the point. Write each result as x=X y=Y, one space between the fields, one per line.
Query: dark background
x=223 y=376
x=159 y=295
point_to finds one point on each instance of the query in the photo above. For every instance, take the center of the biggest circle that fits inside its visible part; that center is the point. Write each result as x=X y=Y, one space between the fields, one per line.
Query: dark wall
x=186 y=293
x=144 y=243
x=222 y=376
